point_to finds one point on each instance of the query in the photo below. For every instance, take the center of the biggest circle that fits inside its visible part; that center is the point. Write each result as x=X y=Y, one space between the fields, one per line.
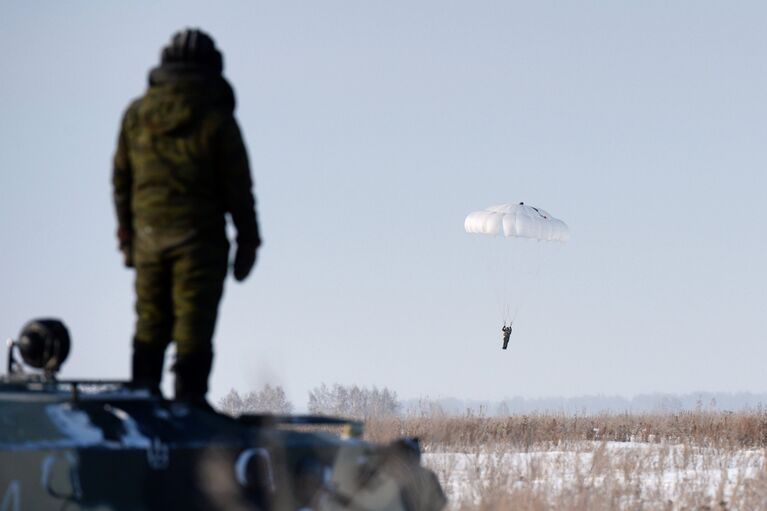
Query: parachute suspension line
x=513 y=270
x=503 y=263
x=497 y=273
x=531 y=279
x=507 y=264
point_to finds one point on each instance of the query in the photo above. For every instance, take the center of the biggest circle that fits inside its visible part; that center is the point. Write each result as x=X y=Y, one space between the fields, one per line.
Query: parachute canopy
x=518 y=220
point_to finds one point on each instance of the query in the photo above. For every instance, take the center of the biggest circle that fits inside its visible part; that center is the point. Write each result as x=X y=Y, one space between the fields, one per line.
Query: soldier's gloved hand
x=244 y=259
x=127 y=256
x=125 y=243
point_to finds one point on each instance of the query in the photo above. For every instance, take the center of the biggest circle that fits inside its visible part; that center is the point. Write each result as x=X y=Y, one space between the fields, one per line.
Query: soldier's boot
x=192 y=371
x=147 y=363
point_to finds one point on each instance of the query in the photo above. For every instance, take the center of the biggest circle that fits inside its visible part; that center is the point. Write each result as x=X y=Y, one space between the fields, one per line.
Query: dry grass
x=694 y=460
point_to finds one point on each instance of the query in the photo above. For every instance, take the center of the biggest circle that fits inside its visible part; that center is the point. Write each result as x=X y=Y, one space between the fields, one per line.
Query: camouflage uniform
x=180 y=166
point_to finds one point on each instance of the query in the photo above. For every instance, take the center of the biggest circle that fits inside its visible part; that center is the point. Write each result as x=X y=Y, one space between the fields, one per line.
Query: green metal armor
x=179 y=168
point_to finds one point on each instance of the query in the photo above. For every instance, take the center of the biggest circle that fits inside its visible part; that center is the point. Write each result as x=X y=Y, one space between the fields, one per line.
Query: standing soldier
x=179 y=168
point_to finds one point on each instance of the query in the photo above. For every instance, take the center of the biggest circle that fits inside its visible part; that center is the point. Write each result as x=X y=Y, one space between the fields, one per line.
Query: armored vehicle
x=107 y=445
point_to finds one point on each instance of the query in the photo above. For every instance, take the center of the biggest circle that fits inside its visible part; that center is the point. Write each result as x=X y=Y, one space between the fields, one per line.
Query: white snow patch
x=74 y=424
x=660 y=473
x=132 y=437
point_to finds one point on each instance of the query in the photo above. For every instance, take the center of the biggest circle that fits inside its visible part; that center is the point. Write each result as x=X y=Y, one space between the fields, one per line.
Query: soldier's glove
x=125 y=243
x=244 y=259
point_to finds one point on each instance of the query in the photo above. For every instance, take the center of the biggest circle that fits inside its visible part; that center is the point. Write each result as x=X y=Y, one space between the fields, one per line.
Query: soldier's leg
x=154 y=322
x=198 y=282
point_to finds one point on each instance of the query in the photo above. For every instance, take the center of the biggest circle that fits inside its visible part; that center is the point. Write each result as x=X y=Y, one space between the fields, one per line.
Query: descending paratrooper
x=524 y=225
x=506 y=334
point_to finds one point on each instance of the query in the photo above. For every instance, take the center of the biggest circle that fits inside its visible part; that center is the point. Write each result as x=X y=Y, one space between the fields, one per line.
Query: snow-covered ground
x=603 y=475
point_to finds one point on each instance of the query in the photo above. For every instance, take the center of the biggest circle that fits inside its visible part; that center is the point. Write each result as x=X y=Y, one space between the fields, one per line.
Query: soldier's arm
x=237 y=185
x=122 y=180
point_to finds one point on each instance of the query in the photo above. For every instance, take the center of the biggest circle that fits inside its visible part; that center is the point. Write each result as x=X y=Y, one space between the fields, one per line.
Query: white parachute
x=514 y=250
x=517 y=220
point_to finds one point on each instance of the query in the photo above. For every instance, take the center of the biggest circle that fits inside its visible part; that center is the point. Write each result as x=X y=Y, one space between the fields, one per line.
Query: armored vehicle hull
x=101 y=445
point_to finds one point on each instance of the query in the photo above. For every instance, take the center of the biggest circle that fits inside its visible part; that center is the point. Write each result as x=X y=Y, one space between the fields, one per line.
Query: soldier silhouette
x=506 y=334
x=179 y=169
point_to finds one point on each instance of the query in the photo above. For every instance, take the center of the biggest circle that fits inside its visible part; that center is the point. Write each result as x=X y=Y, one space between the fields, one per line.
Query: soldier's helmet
x=193 y=46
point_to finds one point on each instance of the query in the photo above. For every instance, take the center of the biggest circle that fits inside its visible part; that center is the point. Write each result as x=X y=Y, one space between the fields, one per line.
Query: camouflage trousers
x=178 y=284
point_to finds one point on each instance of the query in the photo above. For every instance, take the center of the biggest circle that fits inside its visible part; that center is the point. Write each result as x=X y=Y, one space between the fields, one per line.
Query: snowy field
x=604 y=475
x=677 y=461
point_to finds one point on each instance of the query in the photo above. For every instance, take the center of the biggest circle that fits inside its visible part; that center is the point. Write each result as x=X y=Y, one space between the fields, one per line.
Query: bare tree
x=353 y=401
x=231 y=404
x=267 y=400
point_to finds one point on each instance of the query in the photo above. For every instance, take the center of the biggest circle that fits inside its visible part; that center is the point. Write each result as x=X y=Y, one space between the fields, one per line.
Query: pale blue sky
x=373 y=129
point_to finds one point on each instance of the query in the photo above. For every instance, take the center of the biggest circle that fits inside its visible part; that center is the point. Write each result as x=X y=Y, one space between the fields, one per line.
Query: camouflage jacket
x=180 y=163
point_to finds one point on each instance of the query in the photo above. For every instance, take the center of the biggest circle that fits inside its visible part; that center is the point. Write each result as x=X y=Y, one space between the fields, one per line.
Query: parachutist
x=506 y=334
x=513 y=222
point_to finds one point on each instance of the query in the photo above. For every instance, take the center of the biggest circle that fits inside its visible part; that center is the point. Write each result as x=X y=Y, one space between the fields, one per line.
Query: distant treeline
x=364 y=402
x=589 y=405
x=337 y=400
